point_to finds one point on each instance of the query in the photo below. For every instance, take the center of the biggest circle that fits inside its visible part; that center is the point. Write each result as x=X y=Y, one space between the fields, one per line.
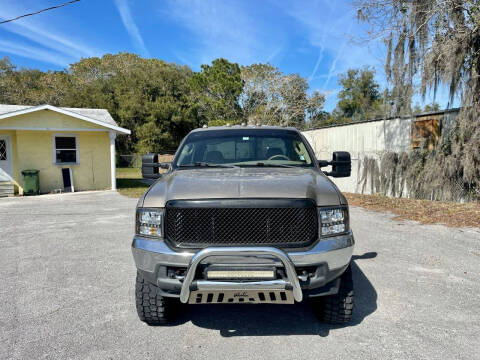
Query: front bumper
x=329 y=257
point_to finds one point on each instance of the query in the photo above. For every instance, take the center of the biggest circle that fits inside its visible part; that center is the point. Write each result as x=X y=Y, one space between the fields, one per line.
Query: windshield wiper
x=206 y=164
x=261 y=164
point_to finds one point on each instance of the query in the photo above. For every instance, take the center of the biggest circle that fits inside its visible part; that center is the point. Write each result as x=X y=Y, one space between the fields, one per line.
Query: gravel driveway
x=67 y=291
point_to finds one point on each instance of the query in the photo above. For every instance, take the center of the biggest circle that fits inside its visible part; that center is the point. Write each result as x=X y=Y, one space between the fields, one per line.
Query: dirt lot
x=424 y=211
x=67 y=291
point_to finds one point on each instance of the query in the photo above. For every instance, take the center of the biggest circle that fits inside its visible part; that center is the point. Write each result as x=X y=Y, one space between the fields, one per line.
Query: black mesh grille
x=196 y=227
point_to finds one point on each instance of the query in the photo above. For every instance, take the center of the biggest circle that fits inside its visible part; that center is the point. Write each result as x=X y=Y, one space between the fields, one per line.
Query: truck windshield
x=243 y=147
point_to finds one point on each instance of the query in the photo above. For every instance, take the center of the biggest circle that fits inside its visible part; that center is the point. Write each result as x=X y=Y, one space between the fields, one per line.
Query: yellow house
x=51 y=139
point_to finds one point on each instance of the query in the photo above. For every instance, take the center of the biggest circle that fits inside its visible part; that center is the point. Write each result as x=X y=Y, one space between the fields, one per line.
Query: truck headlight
x=333 y=221
x=149 y=222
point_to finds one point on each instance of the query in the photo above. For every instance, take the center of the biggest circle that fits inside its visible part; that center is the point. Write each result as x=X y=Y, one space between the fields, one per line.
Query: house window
x=3 y=150
x=66 y=150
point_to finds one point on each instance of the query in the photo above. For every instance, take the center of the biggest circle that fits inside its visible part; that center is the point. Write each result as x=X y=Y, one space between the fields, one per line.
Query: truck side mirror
x=149 y=170
x=341 y=164
x=150 y=166
x=323 y=163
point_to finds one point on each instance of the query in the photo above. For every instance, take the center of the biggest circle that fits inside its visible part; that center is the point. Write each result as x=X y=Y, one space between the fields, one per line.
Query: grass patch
x=129 y=182
x=424 y=211
x=129 y=173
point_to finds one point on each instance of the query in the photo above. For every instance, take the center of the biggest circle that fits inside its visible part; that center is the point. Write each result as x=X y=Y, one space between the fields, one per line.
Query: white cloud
x=34 y=53
x=36 y=33
x=226 y=29
x=340 y=54
x=131 y=26
x=321 y=46
x=66 y=49
x=329 y=26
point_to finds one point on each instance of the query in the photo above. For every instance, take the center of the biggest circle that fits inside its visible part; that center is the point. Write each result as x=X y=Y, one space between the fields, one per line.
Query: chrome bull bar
x=291 y=282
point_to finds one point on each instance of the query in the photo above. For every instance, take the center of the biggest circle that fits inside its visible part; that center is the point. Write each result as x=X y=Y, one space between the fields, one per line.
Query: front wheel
x=152 y=308
x=338 y=308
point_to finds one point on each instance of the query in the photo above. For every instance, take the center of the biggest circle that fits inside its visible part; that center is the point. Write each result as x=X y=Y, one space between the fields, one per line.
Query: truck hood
x=230 y=183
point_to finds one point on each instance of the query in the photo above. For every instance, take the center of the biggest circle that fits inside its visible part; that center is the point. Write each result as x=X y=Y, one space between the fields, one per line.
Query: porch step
x=6 y=188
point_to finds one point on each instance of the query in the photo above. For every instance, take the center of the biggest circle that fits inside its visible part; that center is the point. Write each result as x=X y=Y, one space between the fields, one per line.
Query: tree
x=293 y=92
x=316 y=115
x=440 y=39
x=29 y=86
x=273 y=98
x=148 y=96
x=260 y=97
x=438 y=42
x=6 y=71
x=359 y=97
x=431 y=107
x=427 y=108
x=217 y=89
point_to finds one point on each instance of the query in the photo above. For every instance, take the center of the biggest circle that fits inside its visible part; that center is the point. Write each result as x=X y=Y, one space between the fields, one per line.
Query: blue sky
x=317 y=39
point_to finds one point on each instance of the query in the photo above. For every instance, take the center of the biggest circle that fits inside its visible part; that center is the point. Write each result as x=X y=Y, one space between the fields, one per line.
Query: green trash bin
x=31 y=183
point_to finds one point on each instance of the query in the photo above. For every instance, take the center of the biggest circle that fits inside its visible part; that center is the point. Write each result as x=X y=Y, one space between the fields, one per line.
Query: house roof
x=97 y=116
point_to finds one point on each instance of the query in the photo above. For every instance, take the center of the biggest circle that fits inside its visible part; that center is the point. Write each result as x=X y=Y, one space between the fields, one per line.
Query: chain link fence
x=135 y=160
x=129 y=161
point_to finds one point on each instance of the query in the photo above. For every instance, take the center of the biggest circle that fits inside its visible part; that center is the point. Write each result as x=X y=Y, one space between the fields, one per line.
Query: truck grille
x=281 y=223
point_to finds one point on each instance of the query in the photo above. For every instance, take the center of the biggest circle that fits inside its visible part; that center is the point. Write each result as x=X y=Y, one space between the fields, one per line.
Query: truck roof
x=249 y=127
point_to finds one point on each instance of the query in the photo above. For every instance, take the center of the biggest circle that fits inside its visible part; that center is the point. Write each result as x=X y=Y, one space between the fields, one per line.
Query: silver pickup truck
x=244 y=214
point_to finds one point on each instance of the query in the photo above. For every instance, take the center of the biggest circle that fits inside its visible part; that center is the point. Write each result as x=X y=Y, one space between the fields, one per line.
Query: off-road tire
x=152 y=308
x=338 y=308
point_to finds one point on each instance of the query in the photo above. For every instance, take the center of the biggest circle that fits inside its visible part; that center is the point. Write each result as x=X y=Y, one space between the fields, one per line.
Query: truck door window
x=185 y=156
x=300 y=152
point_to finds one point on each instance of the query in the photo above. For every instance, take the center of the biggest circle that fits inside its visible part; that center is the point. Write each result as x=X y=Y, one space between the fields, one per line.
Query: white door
x=6 y=162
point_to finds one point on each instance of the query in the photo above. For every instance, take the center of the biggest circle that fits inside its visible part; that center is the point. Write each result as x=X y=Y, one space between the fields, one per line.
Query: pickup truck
x=244 y=214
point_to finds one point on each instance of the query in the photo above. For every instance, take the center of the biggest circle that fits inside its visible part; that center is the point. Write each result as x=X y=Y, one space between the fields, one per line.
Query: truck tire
x=338 y=308
x=152 y=308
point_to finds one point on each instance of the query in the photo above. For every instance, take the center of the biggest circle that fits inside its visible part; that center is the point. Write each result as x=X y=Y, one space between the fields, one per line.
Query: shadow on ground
x=266 y=320
x=130 y=183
